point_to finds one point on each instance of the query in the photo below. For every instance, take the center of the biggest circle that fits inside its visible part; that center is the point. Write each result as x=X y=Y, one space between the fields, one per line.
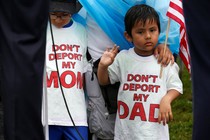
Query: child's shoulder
x=125 y=52
x=79 y=25
x=173 y=68
x=122 y=53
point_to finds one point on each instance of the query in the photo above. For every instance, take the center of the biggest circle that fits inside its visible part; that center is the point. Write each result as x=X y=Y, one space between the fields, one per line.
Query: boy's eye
x=140 y=32
x=65 y=14
x=153 y=30
x=58 y=15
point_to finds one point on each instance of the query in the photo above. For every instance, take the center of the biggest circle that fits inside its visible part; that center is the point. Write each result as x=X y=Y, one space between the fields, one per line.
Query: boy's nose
x=148 y=36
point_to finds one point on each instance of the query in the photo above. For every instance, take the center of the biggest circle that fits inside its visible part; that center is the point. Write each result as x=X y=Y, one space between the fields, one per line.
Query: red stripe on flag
x=174 y=17
x=177 y=7
x=175 y=12
x=185 y=61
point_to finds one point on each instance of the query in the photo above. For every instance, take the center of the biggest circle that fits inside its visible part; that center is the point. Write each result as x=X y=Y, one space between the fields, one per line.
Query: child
x=144 y=99
x=70 y=44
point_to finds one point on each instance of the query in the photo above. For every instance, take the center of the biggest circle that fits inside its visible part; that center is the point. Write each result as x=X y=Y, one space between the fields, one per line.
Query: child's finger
x=167 y=117
x=172 y=60
x=107 y=49
x=115 y=48
x=159 y=118
x=170 y=116
x=164 y=119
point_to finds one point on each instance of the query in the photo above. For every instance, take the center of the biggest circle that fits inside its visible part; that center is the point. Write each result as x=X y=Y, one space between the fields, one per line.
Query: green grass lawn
x=181 y=127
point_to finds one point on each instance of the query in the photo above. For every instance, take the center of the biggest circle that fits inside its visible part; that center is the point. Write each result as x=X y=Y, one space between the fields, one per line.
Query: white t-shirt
x=71 y=46
x=139 y=95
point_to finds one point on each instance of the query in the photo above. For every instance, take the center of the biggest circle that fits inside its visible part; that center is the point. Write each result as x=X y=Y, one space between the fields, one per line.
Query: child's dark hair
x=140 y=13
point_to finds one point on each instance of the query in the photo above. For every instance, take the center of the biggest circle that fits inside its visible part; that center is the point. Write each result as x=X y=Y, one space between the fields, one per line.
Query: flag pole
x=165 y=45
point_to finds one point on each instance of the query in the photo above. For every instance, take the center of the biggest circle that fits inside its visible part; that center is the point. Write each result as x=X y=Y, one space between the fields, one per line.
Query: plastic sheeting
x=109 y=15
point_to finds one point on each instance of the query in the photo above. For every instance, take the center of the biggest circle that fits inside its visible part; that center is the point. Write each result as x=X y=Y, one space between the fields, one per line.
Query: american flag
x=175 y=12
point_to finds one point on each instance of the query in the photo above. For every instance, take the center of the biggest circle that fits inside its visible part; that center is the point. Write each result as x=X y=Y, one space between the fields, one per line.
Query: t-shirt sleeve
x=173 y=80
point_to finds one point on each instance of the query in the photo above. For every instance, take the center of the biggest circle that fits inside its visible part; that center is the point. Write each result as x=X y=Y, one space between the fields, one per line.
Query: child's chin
x=59 y=26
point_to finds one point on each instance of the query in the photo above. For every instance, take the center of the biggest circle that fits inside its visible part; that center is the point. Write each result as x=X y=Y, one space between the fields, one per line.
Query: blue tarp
x=109 y=15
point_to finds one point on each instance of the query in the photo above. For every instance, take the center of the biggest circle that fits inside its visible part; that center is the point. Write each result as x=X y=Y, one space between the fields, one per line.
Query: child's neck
x=144 y=54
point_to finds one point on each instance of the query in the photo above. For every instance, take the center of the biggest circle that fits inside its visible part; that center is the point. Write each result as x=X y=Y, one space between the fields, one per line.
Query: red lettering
x=141 y=78
x=70 y=65
x=77 y=47
x=73 y=79
x=138 y=110
x=125 y=87
x=65 y=55
x=145 y=78
x=65 y=47
x=125 y=108
x=63 y=77
x=143 y=87
x=129 y=77
x=140 y=97
x=154 y=77
x=53 y=78
x=152 y=109
x=79 y=80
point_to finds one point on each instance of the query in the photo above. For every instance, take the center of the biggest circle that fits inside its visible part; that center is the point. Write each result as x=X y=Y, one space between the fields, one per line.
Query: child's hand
x=165 y=113
x=108 y=56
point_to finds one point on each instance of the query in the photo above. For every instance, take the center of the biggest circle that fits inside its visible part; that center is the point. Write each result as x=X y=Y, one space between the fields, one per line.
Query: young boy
x=70 y=44
x=144 y=99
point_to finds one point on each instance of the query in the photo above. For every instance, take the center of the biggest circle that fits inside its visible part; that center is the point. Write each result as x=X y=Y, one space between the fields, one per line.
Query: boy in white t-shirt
x=144 y=99
x=70 y=45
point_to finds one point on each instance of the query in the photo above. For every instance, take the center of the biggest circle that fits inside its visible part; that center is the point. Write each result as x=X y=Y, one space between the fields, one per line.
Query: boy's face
x=144 y=37
x=60 y=19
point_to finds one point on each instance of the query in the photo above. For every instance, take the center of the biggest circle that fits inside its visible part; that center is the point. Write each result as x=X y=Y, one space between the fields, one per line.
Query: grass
x=181 y=127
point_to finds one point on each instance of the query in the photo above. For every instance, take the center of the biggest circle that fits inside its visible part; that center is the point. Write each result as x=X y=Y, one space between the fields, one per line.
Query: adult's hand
x=163 y=58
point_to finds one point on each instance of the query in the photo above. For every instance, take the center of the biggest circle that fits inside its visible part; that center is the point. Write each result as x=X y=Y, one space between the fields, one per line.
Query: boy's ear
x=128 y=37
